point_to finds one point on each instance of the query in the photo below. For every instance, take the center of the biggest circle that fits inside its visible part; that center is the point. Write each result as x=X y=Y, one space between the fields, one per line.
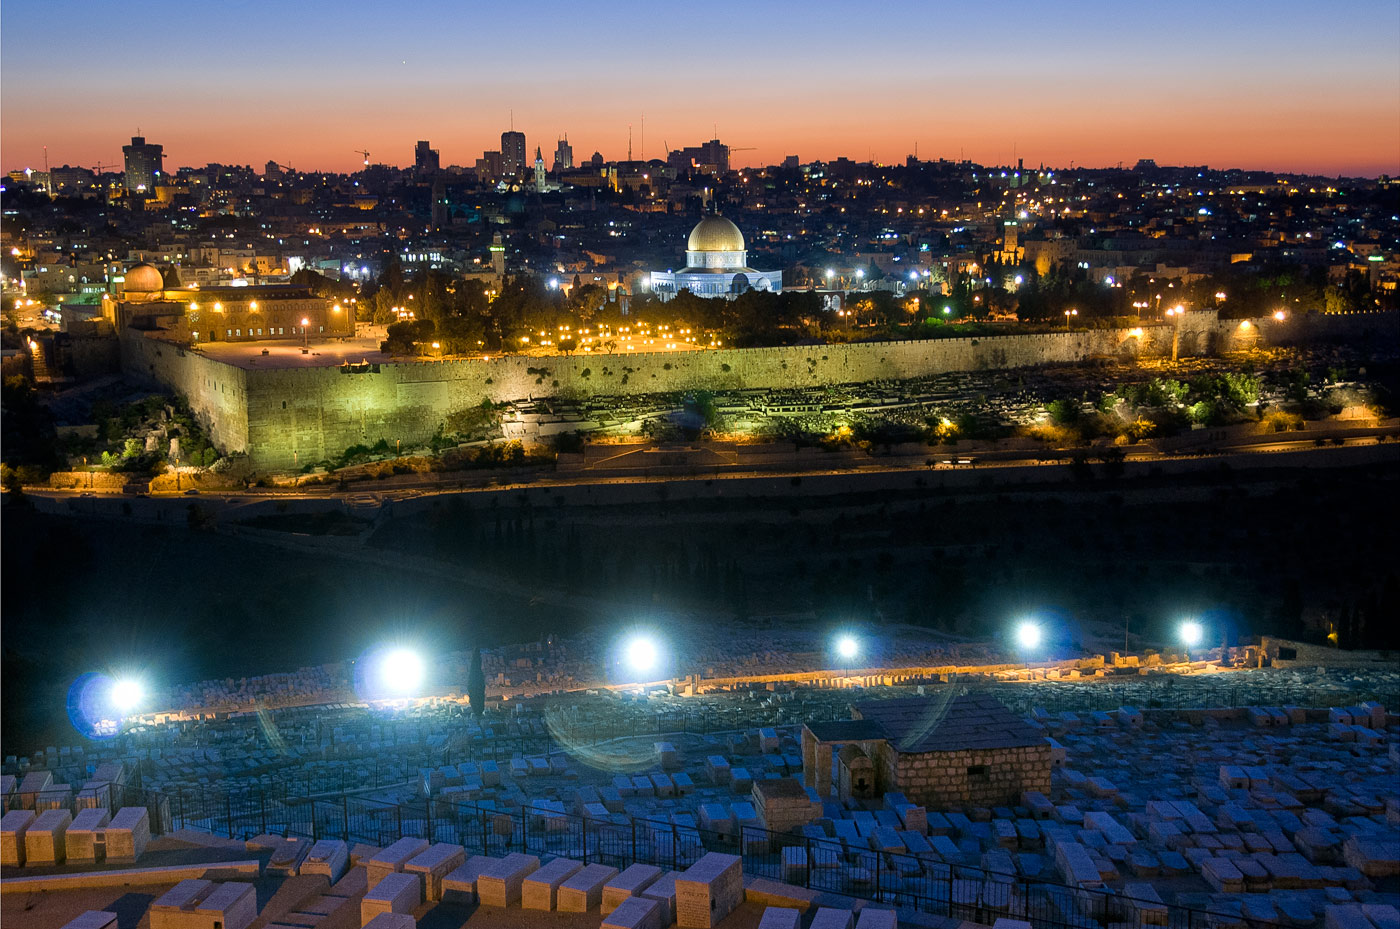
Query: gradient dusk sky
x=1288 y=85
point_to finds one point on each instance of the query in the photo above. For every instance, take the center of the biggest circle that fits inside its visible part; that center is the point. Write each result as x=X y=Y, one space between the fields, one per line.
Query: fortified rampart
x=217 y=392
x=285 y=418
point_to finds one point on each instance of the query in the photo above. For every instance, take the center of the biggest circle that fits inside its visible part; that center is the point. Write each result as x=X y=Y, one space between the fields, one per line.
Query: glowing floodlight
x=847 y=647
x=400 y=672
x=1028 y=635
x=1191 y=633
x=641 y=655
x=126 y=695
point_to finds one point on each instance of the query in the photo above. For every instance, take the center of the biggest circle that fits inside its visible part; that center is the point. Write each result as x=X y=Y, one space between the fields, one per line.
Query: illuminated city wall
x=294 y=416
x=217 y=393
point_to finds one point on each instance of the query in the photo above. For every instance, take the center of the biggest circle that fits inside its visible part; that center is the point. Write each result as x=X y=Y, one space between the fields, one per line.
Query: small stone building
x=943 y=753
x=855 y=773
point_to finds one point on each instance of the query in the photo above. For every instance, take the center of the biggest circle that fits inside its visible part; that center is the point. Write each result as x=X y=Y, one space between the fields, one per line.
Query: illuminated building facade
x=224 y=314
x=716 y=265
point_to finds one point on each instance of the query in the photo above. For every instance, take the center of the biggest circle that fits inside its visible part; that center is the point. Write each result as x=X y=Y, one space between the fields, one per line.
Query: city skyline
x=1288 y=88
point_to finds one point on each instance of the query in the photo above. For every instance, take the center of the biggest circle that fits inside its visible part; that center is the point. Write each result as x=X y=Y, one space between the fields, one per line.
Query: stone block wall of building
x=958 y=779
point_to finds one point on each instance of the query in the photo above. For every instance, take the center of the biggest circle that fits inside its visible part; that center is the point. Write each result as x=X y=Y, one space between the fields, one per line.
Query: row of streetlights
x=98 y=702
x=1029 y=635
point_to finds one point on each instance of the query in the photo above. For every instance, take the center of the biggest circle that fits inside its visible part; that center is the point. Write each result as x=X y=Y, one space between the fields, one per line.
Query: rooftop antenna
x=644 y=137
x=512 y=119
x=629 y=141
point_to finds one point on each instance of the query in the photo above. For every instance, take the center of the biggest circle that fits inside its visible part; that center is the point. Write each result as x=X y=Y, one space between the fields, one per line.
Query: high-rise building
x=712 y=157
x=440 y=215
x=144 y=164
x=513 y=156
x=425 y=158
x=563 y=155
x=489 y=165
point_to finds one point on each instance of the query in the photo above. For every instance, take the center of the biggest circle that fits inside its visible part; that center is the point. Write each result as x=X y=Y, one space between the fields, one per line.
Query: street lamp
x=1191 y=634
x=847 y=647
x=400 y=672
x=1068 y=314
x=126 y=695
x=305 y=336
x=641 y=656
x=1028 y=635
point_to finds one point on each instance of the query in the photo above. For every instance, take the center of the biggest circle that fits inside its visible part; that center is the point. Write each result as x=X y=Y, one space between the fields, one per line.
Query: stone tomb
x=44 y=840
x=635 y=913
x=392 y=921
x=395 y=892
x=392 y=859
x=329 y=857
x=499 y=884
x=200 y=904
x=829 y=918
x=709 y=890
x=13 y=826
x=663 y=891
x=460 y=885
x=82 y=838
x=128 y=834
x=441 y=859
x=629 y=883
x=783 y=805
x=584 y=890
x=540 y=890
x=780 y=917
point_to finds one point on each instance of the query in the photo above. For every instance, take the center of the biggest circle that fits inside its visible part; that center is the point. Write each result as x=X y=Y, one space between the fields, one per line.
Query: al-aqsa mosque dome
x=716 y=265
x=143 y=279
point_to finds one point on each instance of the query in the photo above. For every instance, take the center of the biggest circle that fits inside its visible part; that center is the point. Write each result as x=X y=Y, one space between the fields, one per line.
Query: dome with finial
x=715 y=234
x=143 y=279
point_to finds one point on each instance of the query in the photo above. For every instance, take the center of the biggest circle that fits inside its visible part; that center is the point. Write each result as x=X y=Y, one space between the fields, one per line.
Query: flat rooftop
x=286 y=353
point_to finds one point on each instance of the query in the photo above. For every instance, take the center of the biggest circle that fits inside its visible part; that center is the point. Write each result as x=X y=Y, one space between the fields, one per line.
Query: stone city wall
x=307 y=414
x=217 y=392
x=290 y=417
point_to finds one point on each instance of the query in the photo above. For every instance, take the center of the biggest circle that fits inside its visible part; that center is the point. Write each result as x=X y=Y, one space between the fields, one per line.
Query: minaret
x=539 y=171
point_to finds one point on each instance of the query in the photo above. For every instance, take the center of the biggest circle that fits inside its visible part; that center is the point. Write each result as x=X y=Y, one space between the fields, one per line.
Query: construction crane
x=99 y=166
x=359 y=152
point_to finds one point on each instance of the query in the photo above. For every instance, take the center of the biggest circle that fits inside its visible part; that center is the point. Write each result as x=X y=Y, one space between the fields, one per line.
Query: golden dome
x=716 y=234
x=143 y=279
